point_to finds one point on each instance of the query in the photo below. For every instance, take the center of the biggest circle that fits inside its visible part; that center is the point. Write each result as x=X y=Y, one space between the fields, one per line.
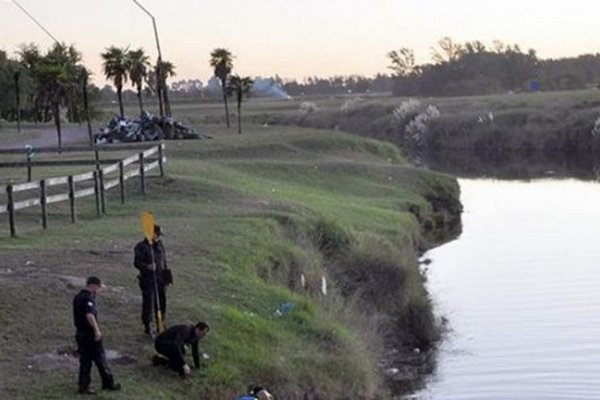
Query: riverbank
x=497 y=124
x=329 y=223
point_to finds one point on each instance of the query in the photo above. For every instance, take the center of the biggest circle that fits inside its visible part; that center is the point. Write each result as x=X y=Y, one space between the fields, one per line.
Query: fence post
x=28 y=167
x=72 y=199
x=122 y=181
x=142 y=177
x=97 y=190
x=43 y=204
x=97 y=157
x=102 y=195
x=11 y=210
x=160 y=159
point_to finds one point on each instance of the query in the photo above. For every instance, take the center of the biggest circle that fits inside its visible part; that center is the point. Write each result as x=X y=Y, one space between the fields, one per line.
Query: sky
x=299 y=38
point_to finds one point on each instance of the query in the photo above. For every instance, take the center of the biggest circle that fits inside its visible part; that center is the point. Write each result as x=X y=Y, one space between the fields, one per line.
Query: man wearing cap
x=150 y=259
x=89 y=338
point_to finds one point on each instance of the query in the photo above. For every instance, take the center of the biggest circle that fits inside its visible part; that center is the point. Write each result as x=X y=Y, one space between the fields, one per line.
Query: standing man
x=150 y=259
x=89 y=338
x=171 y=346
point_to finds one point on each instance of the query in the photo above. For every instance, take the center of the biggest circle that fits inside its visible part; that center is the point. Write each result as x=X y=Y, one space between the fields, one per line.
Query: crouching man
x=171 y=346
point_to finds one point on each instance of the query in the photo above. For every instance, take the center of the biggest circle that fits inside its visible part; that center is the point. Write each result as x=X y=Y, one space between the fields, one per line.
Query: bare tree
x=403 y=61
x=448 y=51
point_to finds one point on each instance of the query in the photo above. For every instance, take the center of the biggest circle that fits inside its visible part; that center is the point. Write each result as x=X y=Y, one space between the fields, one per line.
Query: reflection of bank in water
x=513 y=165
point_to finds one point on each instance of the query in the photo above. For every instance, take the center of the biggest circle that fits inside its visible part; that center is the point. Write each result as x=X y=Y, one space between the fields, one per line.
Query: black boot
x=113 y=386
x=87 y=391
x=158 y=360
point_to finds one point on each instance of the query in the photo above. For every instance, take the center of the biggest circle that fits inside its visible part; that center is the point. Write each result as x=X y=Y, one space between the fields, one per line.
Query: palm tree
x=239 y=87
x=167 y=70
x=222 y=61
x=116 y=65
x=139 y=65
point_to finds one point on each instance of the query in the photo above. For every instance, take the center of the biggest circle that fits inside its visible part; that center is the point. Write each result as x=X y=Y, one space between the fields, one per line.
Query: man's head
x=261 y=393
x=157 y=233
x=94 y=284
x=202 y=329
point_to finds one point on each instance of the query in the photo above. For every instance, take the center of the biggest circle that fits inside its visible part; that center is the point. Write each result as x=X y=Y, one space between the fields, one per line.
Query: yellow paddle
x=147 y=222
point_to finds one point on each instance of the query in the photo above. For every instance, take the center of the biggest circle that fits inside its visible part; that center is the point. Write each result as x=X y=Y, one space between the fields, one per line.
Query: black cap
x=256 y=390
x=158 y=231
x=94 y=280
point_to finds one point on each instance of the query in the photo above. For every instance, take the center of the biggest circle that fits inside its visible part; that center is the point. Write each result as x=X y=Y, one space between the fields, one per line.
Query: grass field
x=245 y=217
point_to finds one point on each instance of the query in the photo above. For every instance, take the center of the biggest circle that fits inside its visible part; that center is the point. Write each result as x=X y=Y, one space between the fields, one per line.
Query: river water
x=520 y=289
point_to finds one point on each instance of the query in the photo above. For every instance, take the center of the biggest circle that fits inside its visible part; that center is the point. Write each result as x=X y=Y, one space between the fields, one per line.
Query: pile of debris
x=146 y=128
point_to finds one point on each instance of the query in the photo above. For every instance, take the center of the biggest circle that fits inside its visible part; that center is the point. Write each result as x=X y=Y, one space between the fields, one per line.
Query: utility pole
x=159 y=81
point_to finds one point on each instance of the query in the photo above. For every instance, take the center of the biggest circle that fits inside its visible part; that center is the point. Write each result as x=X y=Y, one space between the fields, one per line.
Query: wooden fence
x=95 y=183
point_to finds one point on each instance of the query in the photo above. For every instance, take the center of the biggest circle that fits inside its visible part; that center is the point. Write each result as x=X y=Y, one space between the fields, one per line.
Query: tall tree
x=29 y=57
x=239 y=87
x=167 y=70
x=58 y=80
x=116 y=66
x=139 y=65
x=222 y=62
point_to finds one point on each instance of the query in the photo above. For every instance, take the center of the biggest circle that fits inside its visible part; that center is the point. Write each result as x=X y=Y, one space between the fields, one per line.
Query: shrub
x=330 y=238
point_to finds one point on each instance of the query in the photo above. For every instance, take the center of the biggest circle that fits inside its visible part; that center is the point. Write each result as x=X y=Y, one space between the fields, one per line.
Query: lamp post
x=159 y=82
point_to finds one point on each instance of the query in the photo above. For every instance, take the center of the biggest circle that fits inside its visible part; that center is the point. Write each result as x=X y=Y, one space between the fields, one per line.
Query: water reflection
x=520 y=291
x=514 y=165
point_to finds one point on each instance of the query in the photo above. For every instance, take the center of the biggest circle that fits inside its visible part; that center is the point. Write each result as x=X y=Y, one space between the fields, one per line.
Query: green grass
x=245 y=217
x=522 y=122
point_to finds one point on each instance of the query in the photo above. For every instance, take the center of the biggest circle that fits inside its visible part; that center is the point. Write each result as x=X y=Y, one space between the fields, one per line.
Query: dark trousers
x=92 y=351
x=172 y=352
x=149 y=298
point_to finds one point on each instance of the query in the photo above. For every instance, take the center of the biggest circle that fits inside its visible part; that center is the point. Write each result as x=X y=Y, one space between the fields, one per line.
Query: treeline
x=38 y=86
x=337 y=85
x=268 y=87
x=472 y=68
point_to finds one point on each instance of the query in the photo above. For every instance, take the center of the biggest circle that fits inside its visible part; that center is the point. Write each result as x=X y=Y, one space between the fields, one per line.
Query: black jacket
x=144 y=255
x=181 y=335
x=84 y=303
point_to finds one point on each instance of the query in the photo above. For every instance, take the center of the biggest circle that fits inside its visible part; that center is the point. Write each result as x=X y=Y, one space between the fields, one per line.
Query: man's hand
x=186 y=371
x=97 y=336
x=151 y=267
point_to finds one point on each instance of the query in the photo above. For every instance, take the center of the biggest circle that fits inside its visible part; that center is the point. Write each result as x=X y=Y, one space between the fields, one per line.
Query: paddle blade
x=160 y=323
x=147 y=222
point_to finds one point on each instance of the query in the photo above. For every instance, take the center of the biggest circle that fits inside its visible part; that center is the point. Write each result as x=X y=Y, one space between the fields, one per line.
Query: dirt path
x=47 y=138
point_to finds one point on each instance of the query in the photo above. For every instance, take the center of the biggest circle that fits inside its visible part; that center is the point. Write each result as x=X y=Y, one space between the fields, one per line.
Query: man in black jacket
x=89 y=338
x=150 y=259
x=171 y=345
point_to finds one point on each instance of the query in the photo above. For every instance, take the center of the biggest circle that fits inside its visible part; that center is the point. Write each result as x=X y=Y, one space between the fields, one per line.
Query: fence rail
x=97 y=183
x=29 y=152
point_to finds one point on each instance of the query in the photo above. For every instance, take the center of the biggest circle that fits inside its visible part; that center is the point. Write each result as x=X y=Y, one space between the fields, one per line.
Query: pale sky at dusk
x=300 y=38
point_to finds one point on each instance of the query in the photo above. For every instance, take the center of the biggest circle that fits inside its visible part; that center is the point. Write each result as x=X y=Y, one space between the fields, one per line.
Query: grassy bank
x=248 y=219
x=526 y=122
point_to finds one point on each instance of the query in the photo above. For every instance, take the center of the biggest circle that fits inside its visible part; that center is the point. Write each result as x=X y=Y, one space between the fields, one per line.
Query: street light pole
x=159 y=82
x=154 y=26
